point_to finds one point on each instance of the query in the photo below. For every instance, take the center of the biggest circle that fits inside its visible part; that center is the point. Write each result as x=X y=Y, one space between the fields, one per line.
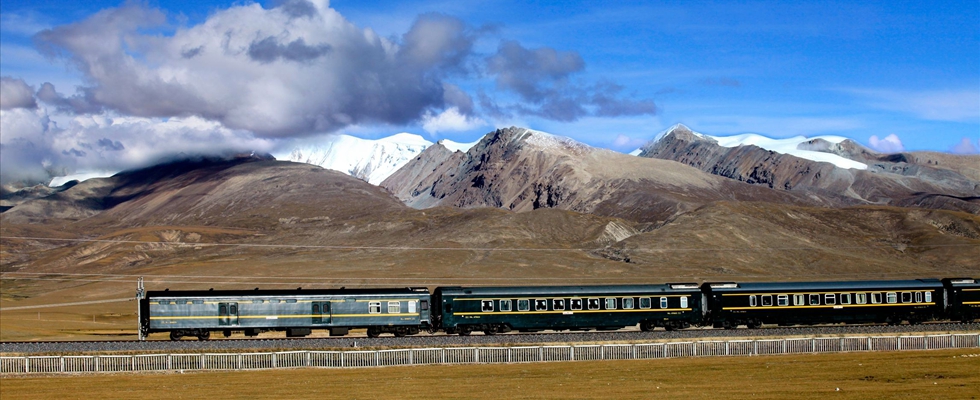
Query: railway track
x=443 y=340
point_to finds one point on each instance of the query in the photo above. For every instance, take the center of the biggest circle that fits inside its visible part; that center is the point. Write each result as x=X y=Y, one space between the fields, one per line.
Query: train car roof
x=962 y=282
x=565 y=290
x=286 y=292
x=833 y=285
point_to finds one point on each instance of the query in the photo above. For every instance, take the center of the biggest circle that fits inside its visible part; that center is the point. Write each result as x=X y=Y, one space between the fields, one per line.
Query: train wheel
x=753 y=324
x=204 y=335
x=464 y=331
x=175 y=335
x=400 y=333
x=646 y=326
x=490 y=331
x=373 y=332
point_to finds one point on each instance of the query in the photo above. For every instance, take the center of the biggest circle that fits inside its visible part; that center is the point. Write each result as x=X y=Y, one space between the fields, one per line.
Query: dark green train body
x=964 y=298
x=790 y=303
x=501 y=309
x=298 y=312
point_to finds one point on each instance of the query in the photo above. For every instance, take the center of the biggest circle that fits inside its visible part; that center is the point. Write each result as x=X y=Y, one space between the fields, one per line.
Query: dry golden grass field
x=942 y=374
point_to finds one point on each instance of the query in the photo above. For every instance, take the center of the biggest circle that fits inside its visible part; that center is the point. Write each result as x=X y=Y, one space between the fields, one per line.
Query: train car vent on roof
x=683 y=285
x=724 y=285
x=963 y=281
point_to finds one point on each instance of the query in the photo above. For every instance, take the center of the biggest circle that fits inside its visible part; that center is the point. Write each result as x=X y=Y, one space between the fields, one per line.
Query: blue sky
x=608 y=74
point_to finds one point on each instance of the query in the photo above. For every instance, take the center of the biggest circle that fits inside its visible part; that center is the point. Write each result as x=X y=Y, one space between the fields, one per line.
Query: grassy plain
x=942 y=374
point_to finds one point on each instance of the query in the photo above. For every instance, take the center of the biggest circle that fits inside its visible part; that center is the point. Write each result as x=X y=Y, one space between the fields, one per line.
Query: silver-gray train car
x=403 y=311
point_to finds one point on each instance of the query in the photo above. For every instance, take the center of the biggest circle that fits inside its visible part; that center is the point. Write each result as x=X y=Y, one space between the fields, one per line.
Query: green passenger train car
x=529 y=309
x=964 y=298
x=402 y=311
x=791 y=303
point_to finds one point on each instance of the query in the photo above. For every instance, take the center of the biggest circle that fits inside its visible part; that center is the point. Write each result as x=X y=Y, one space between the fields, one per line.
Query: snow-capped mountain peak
x=794 y=146
x=370 y=160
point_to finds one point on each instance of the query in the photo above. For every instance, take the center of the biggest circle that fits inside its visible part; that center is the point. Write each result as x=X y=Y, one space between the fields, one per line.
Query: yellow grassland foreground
x=934 y=374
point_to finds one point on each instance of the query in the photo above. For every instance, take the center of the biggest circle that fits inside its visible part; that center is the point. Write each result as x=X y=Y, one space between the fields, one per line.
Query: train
x=499 y=309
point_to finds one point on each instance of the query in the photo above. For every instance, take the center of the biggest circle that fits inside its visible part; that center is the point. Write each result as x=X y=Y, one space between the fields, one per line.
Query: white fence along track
x=475 y=355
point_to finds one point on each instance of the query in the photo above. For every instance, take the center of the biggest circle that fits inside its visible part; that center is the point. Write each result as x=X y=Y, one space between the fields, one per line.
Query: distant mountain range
x=519 y=203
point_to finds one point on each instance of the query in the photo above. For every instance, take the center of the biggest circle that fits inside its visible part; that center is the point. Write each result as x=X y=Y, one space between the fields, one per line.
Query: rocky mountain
x=521 y=170
x=926 y=180
x=368 y=160
x=245 y=192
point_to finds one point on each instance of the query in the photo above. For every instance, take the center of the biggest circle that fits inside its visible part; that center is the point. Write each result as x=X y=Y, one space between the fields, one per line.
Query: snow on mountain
x=370 y=160
x=789 y=146
x=80 y=176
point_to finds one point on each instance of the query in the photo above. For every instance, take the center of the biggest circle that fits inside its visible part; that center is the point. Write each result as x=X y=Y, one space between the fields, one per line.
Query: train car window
x=394 y=307
x=541 y=305
x=928 y=297
x=424 y=305
x=782 y=300
x=892 y=297
x=663 y=302
x=593 y=304
x=906 y=297
x=767 y=300
x=558 y=304
x=374 y=307
x=611 y=303
x=576 y=304
x=222 y=310
x=752 y=301
x=233 y=309
x=799 y=299
x=645 y=302
x=830 y=298
x=861 y=298
x=628 y=302
x=505 y=305
x=814 y=299
x=524 y=305
x=918 y=297
x=684 y=302
x=875 y=298
x=290 y=300
x=486 y=305
x=316 y=309
x=845 y=298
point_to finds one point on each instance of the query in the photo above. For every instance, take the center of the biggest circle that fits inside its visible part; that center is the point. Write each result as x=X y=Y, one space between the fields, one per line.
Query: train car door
x=227 y=314
x=321 y=312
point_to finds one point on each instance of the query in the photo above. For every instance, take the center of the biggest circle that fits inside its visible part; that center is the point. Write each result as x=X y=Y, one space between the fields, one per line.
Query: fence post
x=784 y=346
x=726 y=348
x=62 y=368
x=96 y=359
x=755 y=347
x=27 y=364
x=572 y=352
x=443 y=356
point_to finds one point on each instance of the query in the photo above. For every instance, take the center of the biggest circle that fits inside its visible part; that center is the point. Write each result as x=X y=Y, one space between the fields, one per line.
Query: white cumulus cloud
x=450 y=120
x=889 y=144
